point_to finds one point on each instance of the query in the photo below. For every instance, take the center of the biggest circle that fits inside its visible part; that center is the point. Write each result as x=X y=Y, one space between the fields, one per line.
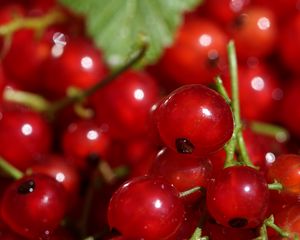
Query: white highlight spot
x=270 y=157
x=263 y=23
x=60 y=177
x=26 y=129
x=205 y=40
x=86 y=62
x=92 y=135
x=157 y=203
x=257 y=83
x=206 y=112
x=247 y=189
x=59 y=39
x=139 y=94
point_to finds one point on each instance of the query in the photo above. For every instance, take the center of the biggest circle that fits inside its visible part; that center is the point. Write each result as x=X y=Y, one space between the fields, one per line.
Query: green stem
x=60 y=104
x=37 y=23
x=269 y=222
x=230 y=150
x=275 y=186
x=221 y=89
x=197 y=235
x=236 y=104
x=10 y=170
x=190 y=191
x=34 y=101
x=277 y=132
x=263 y=232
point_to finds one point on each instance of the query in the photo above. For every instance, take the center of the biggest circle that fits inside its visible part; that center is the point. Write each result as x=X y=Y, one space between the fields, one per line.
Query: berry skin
x=259 y=92
x=238 y=198
x=288 y=219
x=290 y=115
x=194 y=120
x=146 y=207
x=29 y=132
x=34 y=206
x=198 y=54
x=255 y=32
x=74 y=63
x=85 y=142
x=62 y=171
x=288 y=47
x=286 y=170
x=183 y=171
x=124 y=105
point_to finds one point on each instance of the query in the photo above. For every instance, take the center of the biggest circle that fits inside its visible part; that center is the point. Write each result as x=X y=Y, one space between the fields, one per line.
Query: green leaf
x=116 y=25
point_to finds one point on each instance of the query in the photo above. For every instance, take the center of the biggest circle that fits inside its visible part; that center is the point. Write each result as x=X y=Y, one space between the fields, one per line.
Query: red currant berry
x=85 y=142
x=230 y=9
x=197 y=55
x=286 y=170
x=183 y=171
x=62 y=171
x=29 y=132
x=34 y=206
x=238 y=198
x=74 y=63
x=146 y=207
x=194 y=120
x=255 y=32
x=125 y=104
x=259 y=92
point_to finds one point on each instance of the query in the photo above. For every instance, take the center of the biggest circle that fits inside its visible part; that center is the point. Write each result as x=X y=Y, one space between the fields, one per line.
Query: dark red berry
x=146 y=207
x=194 y=120
x=34 y=206
x=238 y=197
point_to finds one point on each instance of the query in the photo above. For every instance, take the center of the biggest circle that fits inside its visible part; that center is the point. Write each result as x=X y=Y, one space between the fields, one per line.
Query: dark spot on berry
x=93 y=159
x=115 y=231
x=26 y=187
x=238 y=222
x=239 y=21
x=213 y=59
x=183 y=145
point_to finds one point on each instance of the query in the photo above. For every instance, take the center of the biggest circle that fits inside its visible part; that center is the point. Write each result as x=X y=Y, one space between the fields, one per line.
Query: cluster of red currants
x=161 y=153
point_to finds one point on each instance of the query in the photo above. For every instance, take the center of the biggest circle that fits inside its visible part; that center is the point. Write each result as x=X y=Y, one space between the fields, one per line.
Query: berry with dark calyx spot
x=197 y=55
x=146 y=207
x=86 y=143
x=194 y=119
x=183 y=171
x=34 y=206
x=238 y=197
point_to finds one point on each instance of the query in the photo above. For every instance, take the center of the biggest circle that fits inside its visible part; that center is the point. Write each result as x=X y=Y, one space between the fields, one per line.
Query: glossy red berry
x=286 y=170
x=230 y=9
x=124 y=105
x=72 y=63
x=62 y=171
x=238 y=198
x=288 y=219
x=259 y=92
x=85 y=142
x=198 y=53
x=28 y=59
x=146 y=207
x=194 y=120
x=183 y=171
x=255 y=32
x=34 y=206
x=27 y=130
